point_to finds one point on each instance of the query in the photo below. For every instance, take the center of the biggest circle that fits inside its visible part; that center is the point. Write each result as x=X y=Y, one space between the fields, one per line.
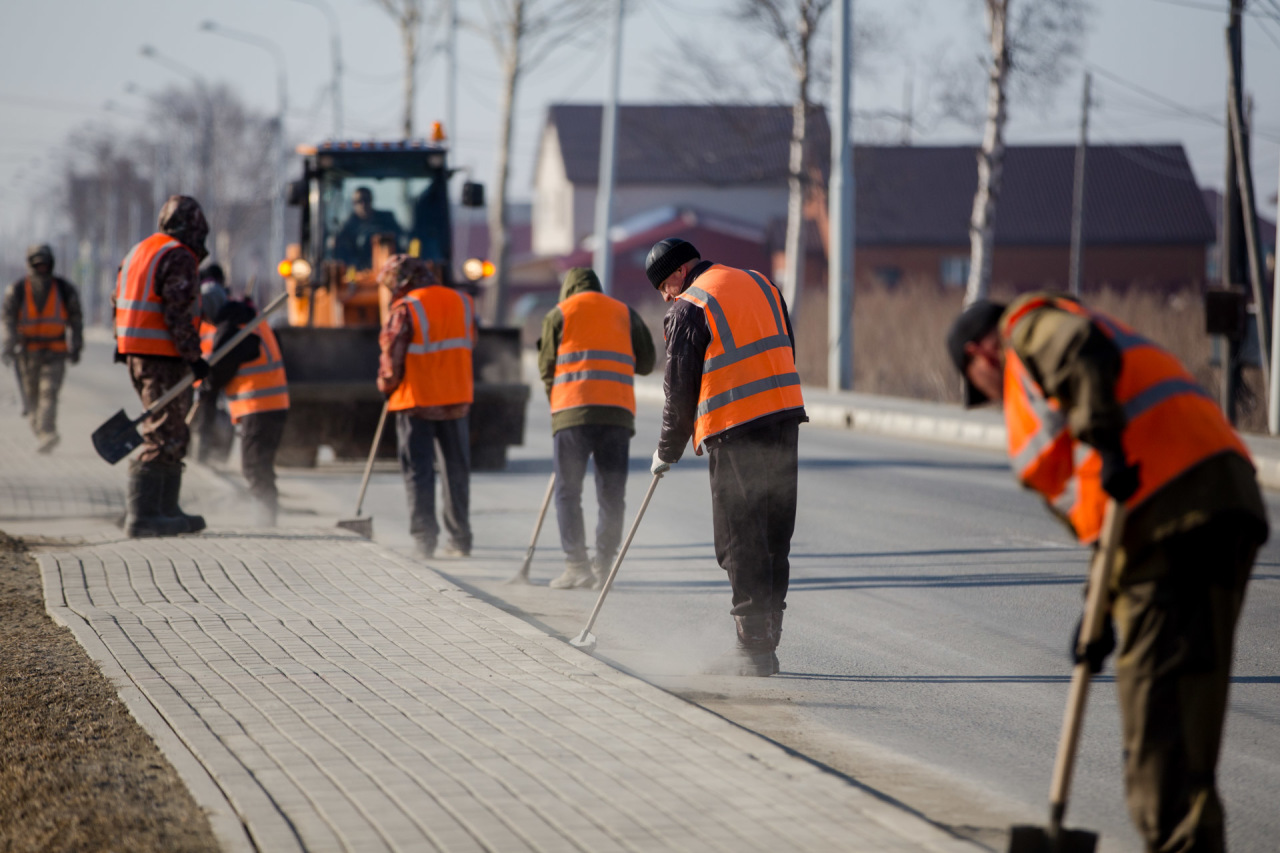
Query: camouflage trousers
x=41 y=373
x=165 y=435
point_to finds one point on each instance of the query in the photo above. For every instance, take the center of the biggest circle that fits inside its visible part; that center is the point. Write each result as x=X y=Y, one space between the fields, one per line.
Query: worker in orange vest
x=732 y=385
x=253 y=380
x=425 y=373
x=1094 y=412
x=591 y=348
x=211 y=430
x=43 y=330
x=157 y=308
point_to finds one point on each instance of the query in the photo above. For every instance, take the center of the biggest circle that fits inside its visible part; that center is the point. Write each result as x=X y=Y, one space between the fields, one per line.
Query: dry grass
x=76 y=771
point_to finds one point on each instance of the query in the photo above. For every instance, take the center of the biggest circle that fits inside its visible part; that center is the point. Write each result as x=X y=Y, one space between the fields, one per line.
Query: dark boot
x=754 y=655
x=169 y=506
x=146 y=492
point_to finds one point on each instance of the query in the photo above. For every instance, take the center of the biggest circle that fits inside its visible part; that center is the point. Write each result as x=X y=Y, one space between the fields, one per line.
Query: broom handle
x=169 y=396
x=617 y=563
x=373 y=451
x=1095 y=610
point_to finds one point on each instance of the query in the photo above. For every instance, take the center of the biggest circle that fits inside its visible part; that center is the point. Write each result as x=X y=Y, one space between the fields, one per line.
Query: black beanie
x=974 y=323
x=666 y=257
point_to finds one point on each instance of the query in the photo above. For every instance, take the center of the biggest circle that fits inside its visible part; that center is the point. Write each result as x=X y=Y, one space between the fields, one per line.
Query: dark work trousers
x=260 y=435
x=420 y=443
x=1172 y=672
x=753 y=508
x=608 y=446
x=164 y=434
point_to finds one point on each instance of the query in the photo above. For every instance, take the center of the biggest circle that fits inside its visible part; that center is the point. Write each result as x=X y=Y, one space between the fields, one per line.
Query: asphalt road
x=924 y=652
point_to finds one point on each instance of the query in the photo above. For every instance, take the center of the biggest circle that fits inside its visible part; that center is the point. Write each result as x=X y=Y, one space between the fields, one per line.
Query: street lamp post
x=335 y=55
x=204 y=191
x=282 y=103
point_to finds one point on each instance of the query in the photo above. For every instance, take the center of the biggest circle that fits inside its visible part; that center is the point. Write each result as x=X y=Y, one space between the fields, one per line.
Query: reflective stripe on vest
x=594 y=362
x=140 y=326
x=437 y=366
x=749 y=370
x=46 y=328
x=1154 y=391
x=259 y=385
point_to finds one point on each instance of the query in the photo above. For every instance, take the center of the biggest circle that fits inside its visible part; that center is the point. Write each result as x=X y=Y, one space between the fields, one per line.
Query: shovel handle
x=617 y=562
x=169 y=396
x=1095 y=610
x=373 y=452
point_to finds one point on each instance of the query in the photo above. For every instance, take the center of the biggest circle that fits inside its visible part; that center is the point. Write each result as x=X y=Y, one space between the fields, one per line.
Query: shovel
x=586 y=640
x=364 y=526
x=1055 y=838
x=118 y=436
x=522 y=576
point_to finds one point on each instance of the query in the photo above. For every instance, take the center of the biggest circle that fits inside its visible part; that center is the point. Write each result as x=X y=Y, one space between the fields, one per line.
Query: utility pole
x=1273 y=392
x=1077 y=196
x=603 y=255
x=451 y=67
x=1231 y=261
x=840 y=194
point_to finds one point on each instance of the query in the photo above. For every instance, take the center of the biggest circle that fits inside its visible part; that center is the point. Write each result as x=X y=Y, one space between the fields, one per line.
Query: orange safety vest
x=437 y=367
x=595 y=365
x=1172 y=425
x=259 y=385
x=208 y=332
x=140 y=326
x=44 y=329
x=749 y=370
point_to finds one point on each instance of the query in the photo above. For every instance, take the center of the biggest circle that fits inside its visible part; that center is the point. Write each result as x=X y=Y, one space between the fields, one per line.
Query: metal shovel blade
x=1037 y=839
x=360 y=526
x=116 y=438
x=585 y=641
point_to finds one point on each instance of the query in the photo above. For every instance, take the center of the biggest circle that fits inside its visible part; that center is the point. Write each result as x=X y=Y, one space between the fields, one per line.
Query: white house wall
x=553 y=202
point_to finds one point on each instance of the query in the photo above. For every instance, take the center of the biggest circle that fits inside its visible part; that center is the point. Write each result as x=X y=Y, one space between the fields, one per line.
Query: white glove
x=658 y=468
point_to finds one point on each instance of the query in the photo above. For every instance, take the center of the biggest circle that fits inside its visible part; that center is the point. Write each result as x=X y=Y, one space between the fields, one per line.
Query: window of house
x=954 y=271
x=888 y=277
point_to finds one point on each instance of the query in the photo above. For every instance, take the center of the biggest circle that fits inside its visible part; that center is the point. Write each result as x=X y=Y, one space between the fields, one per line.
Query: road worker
x=591 y=348
x=1094 y=412
x=157 y=306
x=252 y=377
x=425 y=373
x=731 y=384
x=43 y=330
x=211 y=434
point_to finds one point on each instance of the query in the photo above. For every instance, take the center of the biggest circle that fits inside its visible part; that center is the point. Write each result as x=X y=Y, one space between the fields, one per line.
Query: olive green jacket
x=580 y=280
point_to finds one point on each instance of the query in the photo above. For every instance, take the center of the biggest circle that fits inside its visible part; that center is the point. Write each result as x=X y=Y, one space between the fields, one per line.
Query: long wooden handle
x=617 y=563
x=169 y=396
x=1095 y=611
x=373 y=451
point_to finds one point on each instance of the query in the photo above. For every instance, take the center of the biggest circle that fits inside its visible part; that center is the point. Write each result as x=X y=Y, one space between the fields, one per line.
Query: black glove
x=1119 y=478
x=1097 y=651
x=200 y=368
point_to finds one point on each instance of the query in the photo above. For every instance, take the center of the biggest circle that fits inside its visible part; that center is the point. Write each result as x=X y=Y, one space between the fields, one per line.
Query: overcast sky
x=63 y=60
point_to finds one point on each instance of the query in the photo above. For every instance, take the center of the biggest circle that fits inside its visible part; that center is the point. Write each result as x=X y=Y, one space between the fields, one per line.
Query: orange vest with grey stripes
x=259 y=385
x=44 y=328
x=140 y=326
x=437 y=367
x=1172 y=425
x=749 y=370
x=594 y=363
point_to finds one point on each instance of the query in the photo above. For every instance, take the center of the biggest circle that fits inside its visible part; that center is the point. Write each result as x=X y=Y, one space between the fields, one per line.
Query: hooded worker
x=1096 y=412
x=425 y=373
x=157 y=311
x=732 y=386
x=591 y=348
x=43 y=330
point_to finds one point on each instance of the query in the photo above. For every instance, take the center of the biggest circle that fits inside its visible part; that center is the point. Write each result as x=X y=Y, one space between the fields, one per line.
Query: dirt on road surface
x=76 y=770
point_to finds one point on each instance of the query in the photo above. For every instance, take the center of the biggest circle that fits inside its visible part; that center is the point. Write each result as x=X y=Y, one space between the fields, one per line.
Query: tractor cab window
x=412 y=210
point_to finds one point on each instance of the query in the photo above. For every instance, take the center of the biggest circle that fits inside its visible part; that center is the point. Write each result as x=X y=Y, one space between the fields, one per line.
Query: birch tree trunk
x=797 y=166
x=499 y=248
x=982 y=222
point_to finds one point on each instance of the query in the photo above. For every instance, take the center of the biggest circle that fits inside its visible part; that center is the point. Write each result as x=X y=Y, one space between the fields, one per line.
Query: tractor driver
x=353 y=244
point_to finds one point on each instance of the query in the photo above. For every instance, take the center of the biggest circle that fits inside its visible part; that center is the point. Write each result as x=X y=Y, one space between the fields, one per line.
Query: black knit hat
x=666 y=257
x=973 y=324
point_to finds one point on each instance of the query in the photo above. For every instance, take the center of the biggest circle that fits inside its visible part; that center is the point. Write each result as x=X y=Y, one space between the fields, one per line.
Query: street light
x=282 y=104
x=335 y=55
x=205 y=101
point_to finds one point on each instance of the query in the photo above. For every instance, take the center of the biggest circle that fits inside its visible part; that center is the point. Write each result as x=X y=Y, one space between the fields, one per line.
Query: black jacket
x=230 y=320
x=688 y=336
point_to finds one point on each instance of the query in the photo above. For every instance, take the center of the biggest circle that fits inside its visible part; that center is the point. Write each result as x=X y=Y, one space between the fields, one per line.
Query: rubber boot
x=754 y=655
x=169 y=506
x=575 y=575
x=146 y=494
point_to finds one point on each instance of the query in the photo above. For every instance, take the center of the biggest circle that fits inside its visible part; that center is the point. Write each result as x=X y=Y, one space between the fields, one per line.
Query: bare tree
x=1033 y=50
x=523 y=33
x=409 y=16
